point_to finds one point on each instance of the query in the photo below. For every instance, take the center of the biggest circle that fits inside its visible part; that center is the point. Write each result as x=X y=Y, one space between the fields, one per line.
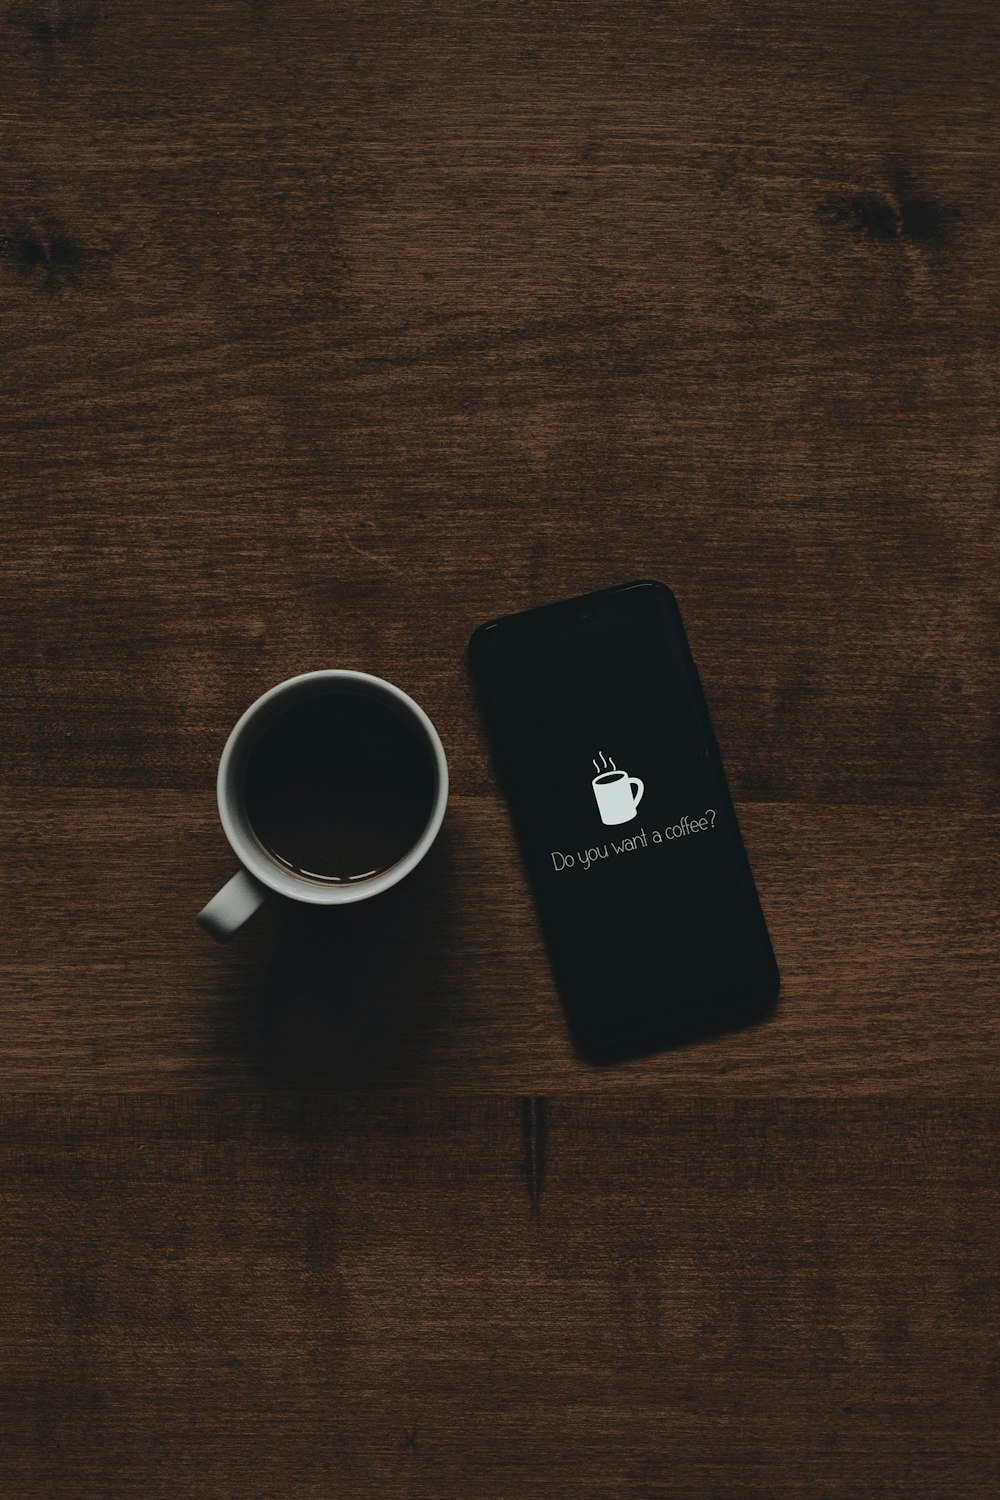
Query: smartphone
x=606 y=755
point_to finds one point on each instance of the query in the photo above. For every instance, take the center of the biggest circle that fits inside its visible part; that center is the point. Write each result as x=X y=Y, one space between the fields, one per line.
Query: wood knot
x=901 y=213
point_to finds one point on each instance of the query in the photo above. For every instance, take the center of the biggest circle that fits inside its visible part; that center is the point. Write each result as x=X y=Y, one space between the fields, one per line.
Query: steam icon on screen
x=617 y=802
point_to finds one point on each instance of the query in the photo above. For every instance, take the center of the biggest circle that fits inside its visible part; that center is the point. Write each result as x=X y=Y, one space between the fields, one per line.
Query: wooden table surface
x=326 y=332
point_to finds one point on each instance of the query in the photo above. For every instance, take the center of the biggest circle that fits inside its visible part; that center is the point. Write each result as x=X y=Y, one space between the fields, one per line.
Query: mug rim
x=250 y=853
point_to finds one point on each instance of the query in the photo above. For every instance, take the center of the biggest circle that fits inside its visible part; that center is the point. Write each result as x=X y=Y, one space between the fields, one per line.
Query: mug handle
x=235 y=904
x=637 y=796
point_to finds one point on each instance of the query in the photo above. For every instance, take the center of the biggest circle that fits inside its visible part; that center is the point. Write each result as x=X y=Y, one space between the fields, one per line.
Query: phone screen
x=607 y=757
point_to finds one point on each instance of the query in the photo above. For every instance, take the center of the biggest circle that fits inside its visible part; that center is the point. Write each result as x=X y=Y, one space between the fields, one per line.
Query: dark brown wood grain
x=328 y=331
x=317 y=1296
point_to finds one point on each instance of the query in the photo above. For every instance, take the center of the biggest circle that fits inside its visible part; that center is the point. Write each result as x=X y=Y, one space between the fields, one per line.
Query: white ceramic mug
x=616 y=800
x=259 y=874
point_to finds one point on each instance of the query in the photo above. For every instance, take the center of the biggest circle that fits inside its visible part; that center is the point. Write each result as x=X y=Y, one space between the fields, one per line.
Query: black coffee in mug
x=339 y=786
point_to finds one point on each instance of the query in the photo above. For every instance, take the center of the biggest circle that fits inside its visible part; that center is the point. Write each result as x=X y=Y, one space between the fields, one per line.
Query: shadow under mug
x=259 y=874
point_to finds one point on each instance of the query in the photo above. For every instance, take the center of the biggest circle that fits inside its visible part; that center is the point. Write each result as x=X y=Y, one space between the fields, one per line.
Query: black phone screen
x=609 y=764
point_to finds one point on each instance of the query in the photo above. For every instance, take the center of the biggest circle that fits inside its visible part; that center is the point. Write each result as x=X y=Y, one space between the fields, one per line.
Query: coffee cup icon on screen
x=618 y=794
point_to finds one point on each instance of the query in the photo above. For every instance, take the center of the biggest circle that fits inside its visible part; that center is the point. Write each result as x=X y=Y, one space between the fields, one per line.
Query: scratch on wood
x=534 y=1132
x=375 y=557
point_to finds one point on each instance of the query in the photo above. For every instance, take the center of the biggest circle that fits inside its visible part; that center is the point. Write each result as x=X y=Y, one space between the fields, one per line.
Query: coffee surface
x=340 y=786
